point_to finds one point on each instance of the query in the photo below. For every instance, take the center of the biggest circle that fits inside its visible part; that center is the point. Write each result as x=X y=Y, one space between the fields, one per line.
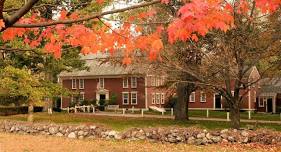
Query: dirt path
x=29 y=143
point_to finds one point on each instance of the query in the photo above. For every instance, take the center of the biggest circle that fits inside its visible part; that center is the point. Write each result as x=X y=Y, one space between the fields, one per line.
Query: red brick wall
x=114 y=85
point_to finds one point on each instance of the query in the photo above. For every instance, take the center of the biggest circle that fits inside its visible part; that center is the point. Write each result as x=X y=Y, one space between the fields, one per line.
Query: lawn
x=244 y=115
x=123 y=123
x=47 y=143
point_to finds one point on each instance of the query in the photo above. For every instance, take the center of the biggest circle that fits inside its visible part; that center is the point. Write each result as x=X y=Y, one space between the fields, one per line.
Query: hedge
x=6 y=111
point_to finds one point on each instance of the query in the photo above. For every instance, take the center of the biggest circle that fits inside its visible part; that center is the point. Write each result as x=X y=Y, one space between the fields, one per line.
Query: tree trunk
x=235 y=116
x=30 y=113
x=181 y=104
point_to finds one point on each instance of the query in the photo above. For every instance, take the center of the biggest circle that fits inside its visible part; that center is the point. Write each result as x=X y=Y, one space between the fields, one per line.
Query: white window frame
x=136 y=82
x=82 y=96
x=73 y=84
x=262 y=101
x=192 y=94
x=232 y=93
x=128 y=99
x=125 y=81
x=83 y=84
x=101 y=85
x=158 y=98
x=162 y=98
x=134 y=98
x=152 y=81
x=153 y=98
x=201 y=96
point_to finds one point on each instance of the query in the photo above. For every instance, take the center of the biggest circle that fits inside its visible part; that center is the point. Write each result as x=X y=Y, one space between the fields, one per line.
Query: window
x=203 y=97
x=73 y=83
x=162 y=98
x=158 y=81
x=261 y=102
x=152 y=81
x=81 y=83
x=125 y=98
x=158 y=98
x=81 y=96
x=133 y=82
x=192 y=97
x=101 y=83
x=134 y=99
x=153 y=98
x=125 y=83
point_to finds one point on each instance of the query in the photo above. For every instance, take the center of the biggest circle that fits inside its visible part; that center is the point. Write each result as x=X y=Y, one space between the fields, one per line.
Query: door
x=218 y=101
x=269 y=105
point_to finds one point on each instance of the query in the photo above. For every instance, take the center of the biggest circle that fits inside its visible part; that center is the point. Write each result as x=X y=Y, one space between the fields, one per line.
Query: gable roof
x=97 y=68
x=270 y=85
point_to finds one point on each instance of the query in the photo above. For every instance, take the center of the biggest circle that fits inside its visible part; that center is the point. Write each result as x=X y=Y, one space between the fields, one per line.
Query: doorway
x=218 y=101
x=269 y=105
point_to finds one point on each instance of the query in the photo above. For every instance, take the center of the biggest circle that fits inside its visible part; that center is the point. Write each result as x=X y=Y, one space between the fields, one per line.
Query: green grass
x=244 y=115
x=123 y=123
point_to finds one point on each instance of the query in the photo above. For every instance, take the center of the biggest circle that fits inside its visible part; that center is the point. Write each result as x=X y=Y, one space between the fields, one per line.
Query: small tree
x=19 y=82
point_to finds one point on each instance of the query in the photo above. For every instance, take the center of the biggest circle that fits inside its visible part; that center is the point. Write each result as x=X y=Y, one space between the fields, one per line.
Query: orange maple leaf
x=2 y=24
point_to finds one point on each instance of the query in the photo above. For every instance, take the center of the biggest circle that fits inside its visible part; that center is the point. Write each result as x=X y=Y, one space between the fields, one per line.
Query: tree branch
x=17 y=15
x=97 y=15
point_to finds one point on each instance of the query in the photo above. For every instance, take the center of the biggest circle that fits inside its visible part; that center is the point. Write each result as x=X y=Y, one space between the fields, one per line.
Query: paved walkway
x=111 y=114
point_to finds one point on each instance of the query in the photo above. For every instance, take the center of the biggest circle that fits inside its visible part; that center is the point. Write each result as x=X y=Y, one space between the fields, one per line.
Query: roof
x=270 y=85
x=98 y=68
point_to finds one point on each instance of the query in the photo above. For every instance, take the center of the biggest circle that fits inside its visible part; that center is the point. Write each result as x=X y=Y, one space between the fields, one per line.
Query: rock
x=80 y=133
x=201 y=141
x=191 y=140
x=200 y=135
x=93 y=127
x=250 y=127
x=224 y=131
x=53 y=130
x=59 y=134
x=234 y=130
x=12 y=129
x=224 y=136
x=230 y=139
x=71 y=135
x=208 y=136
x=216 y=139
x=118 y=137
x=80 y=137
x=245 y=140
x=112 y=133
x=244 y=133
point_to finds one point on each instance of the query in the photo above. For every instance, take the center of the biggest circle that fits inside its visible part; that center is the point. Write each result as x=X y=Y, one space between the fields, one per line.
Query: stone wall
x=165 y=135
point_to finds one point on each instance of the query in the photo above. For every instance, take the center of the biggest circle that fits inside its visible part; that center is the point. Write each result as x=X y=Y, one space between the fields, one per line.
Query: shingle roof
x=270 y=85
x=97 y=68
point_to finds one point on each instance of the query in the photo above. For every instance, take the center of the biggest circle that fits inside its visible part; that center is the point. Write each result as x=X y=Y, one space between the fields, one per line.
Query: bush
x=6 y=111
x=113 y=99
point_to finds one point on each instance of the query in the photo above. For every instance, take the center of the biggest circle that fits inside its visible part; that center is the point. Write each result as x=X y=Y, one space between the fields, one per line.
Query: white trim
x=101 y=86
x=83 y=84
x=153 y=98
x=81 y=96
x=73 y=84
x=128 y=99
x=192 y=94
x=136 y=82
x=136 y=93
x=249 y=98
x=262 y=101
x=202 y=92
x=158 y=100
x=162 y=100
x=145 y=92
x=124 y=80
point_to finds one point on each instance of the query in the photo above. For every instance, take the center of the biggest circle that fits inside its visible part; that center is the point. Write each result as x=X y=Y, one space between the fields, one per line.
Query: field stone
x=59 y=134
x=72 y=135
x=216 y=139
x=200 y=135
x=53 y=130
x=244 y=133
